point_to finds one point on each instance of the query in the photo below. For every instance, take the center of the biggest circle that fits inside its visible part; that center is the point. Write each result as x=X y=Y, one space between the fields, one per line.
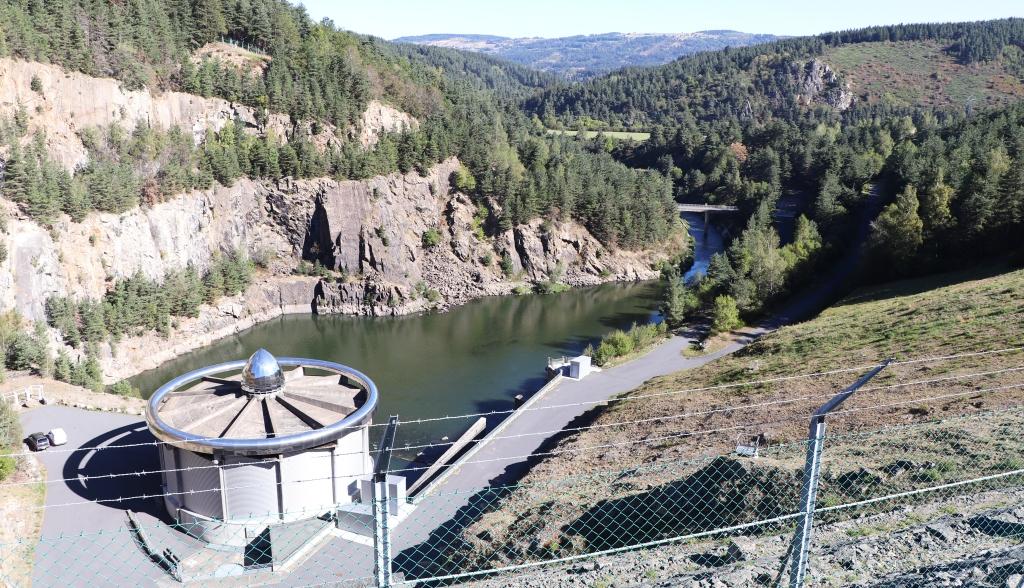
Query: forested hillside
x=832 y=125
x=752 y=83
x=444 y=188
x=314 y=73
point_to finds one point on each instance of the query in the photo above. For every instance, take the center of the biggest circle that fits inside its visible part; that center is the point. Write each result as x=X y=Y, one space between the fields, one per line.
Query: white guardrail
x=24 y=395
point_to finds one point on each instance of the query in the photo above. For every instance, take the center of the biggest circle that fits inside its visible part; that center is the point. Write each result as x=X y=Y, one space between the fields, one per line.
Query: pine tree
x=210 y=21
x=897 y=233
x=16 y=175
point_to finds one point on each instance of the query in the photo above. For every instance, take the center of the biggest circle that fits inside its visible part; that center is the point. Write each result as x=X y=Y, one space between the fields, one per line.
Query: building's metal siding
x=201 y=483
x=251 y=488
x=306 y=484
x=351 y=463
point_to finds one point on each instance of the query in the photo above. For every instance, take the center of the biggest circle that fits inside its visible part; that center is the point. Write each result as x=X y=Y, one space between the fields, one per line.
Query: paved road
x=86 y=543
x=427 y=534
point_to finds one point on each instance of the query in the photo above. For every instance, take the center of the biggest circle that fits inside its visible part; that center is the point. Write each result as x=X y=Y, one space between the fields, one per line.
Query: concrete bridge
x=707 y=209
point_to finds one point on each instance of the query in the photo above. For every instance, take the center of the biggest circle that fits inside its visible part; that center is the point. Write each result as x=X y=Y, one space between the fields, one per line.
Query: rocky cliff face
x=820 y=83
x=369 y=234
x=69 y=102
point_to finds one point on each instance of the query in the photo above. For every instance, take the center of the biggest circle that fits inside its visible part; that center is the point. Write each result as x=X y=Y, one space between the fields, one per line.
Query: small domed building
x=252 y=442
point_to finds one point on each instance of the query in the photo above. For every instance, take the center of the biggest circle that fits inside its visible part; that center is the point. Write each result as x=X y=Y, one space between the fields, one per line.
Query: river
x=707 y=240
x=474 y=358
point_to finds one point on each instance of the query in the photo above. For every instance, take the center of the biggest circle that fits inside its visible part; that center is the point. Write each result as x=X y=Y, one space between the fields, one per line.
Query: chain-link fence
x=938 y=495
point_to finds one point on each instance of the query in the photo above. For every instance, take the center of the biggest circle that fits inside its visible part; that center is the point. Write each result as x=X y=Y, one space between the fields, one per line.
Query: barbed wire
x=763 y=381
x=568 y=405
x=616 y=472
x=496 y=492
x=800 y=418
x=773 y=448
x=139 y=473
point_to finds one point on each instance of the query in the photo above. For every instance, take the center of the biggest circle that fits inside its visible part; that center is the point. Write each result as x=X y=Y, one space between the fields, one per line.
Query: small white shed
x=579 y=367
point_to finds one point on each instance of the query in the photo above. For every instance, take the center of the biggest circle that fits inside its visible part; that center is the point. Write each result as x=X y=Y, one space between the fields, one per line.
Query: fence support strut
x=381 y=527
x=812 y=471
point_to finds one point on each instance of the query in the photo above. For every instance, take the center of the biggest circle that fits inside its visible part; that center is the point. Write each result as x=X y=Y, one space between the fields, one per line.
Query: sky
x=560 y=18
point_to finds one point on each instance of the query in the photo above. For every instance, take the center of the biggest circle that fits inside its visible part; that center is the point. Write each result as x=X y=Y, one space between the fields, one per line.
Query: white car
x=57 y=436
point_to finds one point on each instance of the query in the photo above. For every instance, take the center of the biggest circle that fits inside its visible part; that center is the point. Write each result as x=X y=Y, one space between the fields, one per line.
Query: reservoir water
x=474 y=358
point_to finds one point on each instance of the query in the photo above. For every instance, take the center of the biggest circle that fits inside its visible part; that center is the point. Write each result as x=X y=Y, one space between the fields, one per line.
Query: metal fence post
x=808 y=497
x=381 y=526
x=812 y=472
x=381 y=538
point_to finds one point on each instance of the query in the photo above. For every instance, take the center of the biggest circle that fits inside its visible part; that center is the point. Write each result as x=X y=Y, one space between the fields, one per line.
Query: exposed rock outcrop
x=242 y=59
x=70 y=102
x=368 y=233
x=380 y=118
x=820 y=83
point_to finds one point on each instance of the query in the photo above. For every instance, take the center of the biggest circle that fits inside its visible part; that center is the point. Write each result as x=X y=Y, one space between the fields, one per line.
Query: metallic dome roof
x=261 y=406
x=262 y=374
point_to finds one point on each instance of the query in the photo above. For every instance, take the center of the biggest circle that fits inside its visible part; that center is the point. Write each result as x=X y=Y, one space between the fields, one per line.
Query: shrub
x=10 y=438
x=550 y=287
x=262 y=257
x=7 y=466
x=644 y=335
x=431 y=238
x=621 y=342
x=463 y=181
x=124 y=388
x=604 y=353
x=422 y=290
x=10 y=427
x=24 y=351
x=36 y=84
x=506 y=264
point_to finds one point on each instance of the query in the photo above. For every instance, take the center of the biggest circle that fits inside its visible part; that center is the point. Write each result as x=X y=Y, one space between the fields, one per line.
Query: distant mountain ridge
x=586 y=56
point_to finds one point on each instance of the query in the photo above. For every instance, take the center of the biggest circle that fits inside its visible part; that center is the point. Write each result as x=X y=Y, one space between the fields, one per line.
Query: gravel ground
x=980 y=546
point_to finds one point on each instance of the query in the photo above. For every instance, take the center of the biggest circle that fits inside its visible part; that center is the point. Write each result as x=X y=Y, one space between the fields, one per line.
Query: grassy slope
x=935 y=316
x=22 y=519
x=922 y=73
